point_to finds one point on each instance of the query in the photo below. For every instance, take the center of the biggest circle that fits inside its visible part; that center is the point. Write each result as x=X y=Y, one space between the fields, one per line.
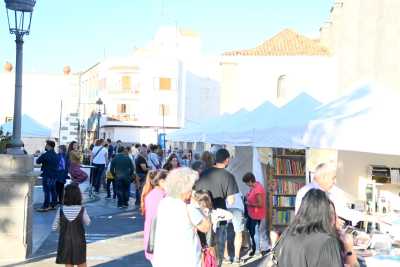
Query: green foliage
x=5 y=138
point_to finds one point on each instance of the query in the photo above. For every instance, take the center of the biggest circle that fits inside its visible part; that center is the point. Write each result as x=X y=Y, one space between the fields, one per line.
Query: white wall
x=247 y=82
x=363 y=34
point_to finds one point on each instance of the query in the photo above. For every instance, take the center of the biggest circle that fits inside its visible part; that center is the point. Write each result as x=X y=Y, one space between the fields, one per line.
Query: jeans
x=109 y=183
x=123 y=186
x=220 y=237
x=252 y=225
x=97 y=175
x=49 y=189
x=60 y=191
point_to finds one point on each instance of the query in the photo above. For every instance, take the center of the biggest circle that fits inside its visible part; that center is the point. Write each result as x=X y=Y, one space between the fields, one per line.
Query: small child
x=201 y=200
x=70 y=220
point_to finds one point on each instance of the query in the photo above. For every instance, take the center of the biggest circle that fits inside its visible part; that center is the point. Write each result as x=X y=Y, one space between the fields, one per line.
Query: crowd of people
x=196 y=208
x=189 y=211
x=192 y=207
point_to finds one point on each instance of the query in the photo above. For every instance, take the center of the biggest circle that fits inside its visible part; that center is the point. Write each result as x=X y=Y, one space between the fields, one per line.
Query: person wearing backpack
x=122 y=169
x=62 y=174
x=110 y=180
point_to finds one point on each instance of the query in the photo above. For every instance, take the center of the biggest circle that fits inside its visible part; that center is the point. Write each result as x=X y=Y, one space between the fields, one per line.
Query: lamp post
x=19 y=15
x=82 y=135
x=99 y=103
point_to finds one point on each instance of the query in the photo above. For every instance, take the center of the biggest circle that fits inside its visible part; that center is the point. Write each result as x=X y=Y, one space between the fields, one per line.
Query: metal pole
x=98 y=124
x=16 y=142
x=60 y=123
x=163 y=125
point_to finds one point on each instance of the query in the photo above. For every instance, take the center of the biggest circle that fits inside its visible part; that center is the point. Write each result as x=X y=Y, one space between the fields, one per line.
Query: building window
x=126 y=83
x=164 y=110
x=102 y=84
x=165 y=83
x=281 y=87
x=121 y=108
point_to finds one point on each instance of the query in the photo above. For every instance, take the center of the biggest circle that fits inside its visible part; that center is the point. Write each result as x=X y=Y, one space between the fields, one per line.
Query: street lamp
x=99 y=103
x=19 y=15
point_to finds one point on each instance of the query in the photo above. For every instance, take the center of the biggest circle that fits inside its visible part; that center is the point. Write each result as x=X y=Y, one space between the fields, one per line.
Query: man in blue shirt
x=49 y=161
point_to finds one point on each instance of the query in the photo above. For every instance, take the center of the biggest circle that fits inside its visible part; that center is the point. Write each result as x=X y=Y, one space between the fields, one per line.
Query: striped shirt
x=70 y=212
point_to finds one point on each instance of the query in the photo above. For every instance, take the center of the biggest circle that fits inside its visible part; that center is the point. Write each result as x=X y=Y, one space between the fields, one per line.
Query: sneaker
x=125 y=206
x=120 y=207
x=53 y=207
x=252 y=253
x=43 y=209
x=236 y=260
x=226 y=261
x=108 y=197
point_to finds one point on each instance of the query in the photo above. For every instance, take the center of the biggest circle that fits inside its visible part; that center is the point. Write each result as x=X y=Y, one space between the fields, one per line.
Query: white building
x=159 y=87
x=277 y=70
x=363 y=36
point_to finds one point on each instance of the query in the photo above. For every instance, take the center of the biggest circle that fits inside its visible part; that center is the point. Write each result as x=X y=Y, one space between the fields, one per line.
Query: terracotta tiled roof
x=285 y=43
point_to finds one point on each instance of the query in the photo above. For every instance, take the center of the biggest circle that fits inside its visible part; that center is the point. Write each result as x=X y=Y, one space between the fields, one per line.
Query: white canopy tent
x=266 y=126
x=269 y=126
x=198 y=132
x=366 y=120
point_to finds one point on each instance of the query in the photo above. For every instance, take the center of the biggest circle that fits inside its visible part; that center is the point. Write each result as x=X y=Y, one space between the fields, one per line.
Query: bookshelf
x=288 y=176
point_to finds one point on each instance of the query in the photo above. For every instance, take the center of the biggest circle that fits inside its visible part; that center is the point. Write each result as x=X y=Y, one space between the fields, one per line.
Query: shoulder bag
x=271 y=259
x=97 y=153
x=152 y=236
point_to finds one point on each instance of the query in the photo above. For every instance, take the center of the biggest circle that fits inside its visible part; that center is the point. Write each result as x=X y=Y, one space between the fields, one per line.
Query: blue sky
x=80 y=32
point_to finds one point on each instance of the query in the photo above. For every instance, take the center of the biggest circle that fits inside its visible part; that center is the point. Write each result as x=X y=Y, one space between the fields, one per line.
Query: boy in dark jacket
x=49 y=161
x=122 y=169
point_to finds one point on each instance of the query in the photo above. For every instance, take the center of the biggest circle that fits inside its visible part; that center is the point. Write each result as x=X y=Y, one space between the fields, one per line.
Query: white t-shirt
x=177 y=243
x=340 y=205
x=101 y=157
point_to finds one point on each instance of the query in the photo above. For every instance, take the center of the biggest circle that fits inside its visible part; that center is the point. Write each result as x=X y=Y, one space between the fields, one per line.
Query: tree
x=5 y=139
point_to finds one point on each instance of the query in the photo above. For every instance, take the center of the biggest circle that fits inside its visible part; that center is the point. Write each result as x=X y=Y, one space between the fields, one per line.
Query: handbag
x=77 y=175
x=271 y=259
x=152 y=236
x=208 y=258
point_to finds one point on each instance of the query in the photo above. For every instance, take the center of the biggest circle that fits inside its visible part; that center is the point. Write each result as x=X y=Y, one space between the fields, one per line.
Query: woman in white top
x=176 y=240
x=99 y=162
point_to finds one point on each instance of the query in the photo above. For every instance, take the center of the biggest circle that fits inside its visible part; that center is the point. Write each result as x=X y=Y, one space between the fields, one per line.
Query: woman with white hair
x=176 y=240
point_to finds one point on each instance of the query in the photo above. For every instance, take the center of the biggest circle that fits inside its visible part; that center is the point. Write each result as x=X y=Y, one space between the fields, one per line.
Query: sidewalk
x=42 y=220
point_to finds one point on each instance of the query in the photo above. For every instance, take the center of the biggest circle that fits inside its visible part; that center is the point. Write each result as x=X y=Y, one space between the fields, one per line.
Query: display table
x=383 y=260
